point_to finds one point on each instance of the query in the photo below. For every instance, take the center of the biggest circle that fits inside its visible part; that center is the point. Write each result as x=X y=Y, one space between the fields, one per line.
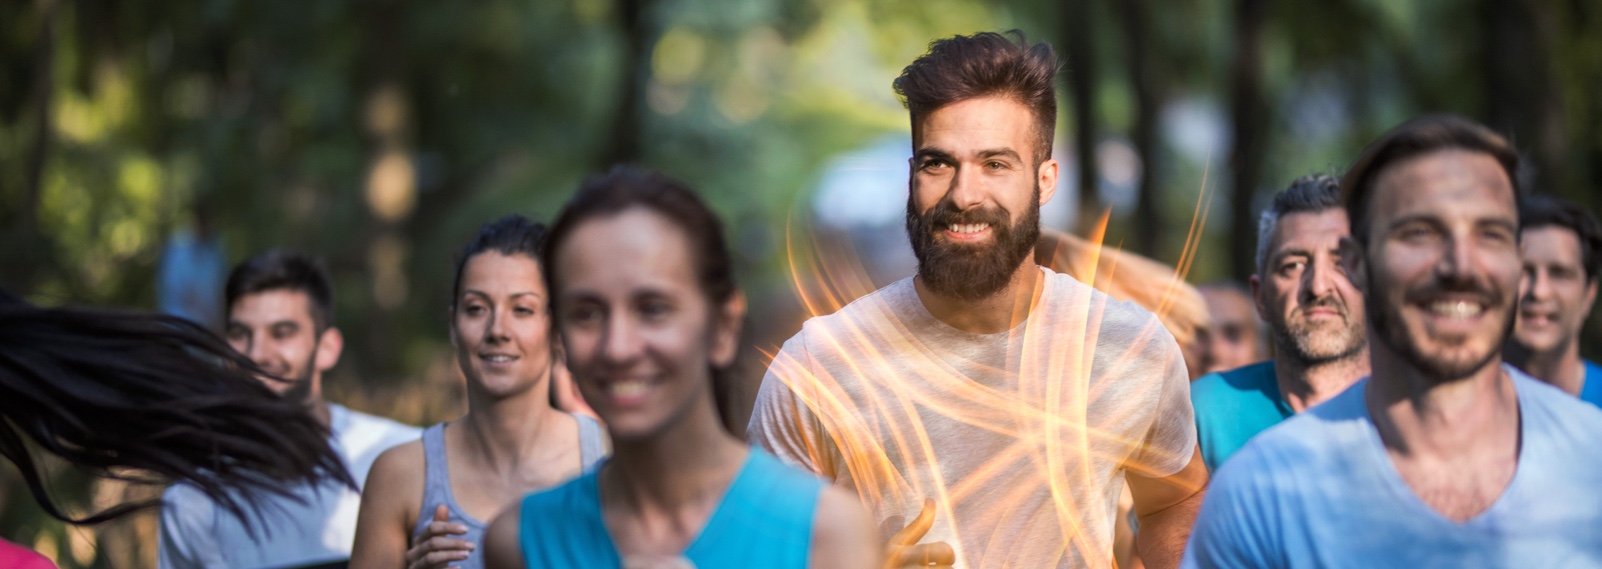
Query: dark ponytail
x=110 y=391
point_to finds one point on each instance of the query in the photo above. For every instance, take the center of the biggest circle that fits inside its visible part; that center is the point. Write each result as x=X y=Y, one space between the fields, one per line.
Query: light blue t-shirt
x=1319 y=490
x=313 y=526
x=1591 y=391
x=764 y=520
x=1232 y=407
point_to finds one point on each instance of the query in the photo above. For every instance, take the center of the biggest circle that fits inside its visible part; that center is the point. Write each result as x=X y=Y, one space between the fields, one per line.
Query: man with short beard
x=278 y=310
x=1314 y=312
x=1444 y=457
x=1562 y=248
x=998 y=405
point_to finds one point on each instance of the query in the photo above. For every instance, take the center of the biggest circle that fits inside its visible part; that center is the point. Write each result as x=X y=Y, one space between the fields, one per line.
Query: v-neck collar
x=1392 y=478
x=709 y=531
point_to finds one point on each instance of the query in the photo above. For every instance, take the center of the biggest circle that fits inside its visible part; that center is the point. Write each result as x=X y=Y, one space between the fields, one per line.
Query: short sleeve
x=187 y=530
x=781 y=422
x=1233 y=528
x=1171 y=440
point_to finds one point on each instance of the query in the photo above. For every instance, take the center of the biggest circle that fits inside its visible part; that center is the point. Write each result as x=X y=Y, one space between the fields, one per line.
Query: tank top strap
x=592 y=442
x=437 y=486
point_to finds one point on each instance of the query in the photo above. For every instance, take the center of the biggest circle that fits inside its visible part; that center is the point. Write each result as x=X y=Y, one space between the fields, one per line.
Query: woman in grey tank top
x=427 y=503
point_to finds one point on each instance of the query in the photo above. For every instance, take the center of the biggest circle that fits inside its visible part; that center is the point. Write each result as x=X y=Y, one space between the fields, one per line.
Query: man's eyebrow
x=1001 y=152
x=927 y=153
x=1283 y=253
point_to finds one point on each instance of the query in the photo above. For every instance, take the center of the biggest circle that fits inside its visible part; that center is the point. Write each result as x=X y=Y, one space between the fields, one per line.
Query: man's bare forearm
x=1162 y=535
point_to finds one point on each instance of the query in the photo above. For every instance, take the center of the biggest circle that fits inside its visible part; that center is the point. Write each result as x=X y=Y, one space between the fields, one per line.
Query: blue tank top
x=764 y=520
x=437 y=484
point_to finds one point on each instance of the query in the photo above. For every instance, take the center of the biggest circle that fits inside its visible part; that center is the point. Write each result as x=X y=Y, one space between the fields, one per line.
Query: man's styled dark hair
x=510 y=235
x=288 y=270
x=1312 y=193
x=985 y=64
x=1543 y=210
x=628 y=187
x=1417 y=137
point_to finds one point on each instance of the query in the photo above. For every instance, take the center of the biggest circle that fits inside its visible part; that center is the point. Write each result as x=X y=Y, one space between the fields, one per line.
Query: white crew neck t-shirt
x=1320 y=490
x=196 y=533
x=1022 y=437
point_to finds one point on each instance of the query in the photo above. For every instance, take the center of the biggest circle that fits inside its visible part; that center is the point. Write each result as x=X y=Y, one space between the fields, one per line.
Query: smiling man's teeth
x=628 y=388
x=1457 y=309
x=968 y=227
x=499 y=359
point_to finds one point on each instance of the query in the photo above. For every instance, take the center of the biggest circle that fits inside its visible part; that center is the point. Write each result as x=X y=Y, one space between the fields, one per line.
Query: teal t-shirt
x=1591 y=391
x=764 y=520
x=1232 y=407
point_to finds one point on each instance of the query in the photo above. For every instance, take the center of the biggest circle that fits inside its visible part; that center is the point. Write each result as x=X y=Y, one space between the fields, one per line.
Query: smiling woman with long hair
x=644 y=298
x=428 y=497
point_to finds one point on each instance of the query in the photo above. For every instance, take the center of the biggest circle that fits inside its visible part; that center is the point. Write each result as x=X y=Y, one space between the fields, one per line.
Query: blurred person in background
x=1314 y=315
x=1562 y=249
x=189 y=278
x=428 y=499
x=1233 y=336
x=956 y=351
x=279 y=313
x=1444 y=456
x=146 y=398
x=644 y=296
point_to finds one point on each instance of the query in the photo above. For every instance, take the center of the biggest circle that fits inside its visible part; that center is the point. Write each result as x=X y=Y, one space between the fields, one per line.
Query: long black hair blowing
x=158 y=395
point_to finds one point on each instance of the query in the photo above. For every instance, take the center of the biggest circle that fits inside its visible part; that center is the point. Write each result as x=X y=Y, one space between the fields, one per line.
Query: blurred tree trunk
x=1150 y=231
x=1522 y=100
x=1249 y=116
x=24 y=263
x=44 y=81
x=633 y=19
x=1082 y=88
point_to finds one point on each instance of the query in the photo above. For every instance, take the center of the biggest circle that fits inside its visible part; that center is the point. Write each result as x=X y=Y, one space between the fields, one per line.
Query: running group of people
x=1425 y=404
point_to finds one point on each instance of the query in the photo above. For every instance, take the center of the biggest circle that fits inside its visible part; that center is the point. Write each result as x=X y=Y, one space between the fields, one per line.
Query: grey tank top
x=437 y=484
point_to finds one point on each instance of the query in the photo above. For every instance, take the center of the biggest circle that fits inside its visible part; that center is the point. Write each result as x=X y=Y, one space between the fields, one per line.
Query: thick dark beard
x=1387 y=326
x=965 y=272
x=300 y=388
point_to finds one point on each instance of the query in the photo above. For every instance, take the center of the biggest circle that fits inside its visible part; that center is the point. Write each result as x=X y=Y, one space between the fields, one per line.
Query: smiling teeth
x=968 y=227
x=1459 y=309
x=628 y=388
x=499 y=359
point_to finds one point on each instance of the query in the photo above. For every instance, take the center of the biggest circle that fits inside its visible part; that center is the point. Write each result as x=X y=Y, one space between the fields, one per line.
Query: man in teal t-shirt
x=1561 y=244
x=1314 y=312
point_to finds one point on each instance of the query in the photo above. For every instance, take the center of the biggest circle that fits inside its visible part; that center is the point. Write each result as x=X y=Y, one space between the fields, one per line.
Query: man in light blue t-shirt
x=1444 y=457
x=278 y=308
x=1313 y=311
x=1562 y=249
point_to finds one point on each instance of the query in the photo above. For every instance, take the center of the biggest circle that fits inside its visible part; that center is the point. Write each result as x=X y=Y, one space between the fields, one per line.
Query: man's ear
x=1589 y=300
x=1046 y=177
x=1354 y=263
x=329 y=345
x=726 y=330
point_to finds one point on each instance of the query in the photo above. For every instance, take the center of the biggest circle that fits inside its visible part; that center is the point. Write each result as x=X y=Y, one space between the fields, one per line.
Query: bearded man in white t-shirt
x=997 y=405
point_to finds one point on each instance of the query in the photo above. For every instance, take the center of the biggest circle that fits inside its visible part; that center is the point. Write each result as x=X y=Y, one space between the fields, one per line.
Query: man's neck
x=1303 y=385
x=1560 y=367
x=998 y=312
x=320 y=411
x=1422 y=417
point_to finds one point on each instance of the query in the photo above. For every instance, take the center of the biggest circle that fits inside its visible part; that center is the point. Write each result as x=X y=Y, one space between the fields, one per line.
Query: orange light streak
x=883 y=436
